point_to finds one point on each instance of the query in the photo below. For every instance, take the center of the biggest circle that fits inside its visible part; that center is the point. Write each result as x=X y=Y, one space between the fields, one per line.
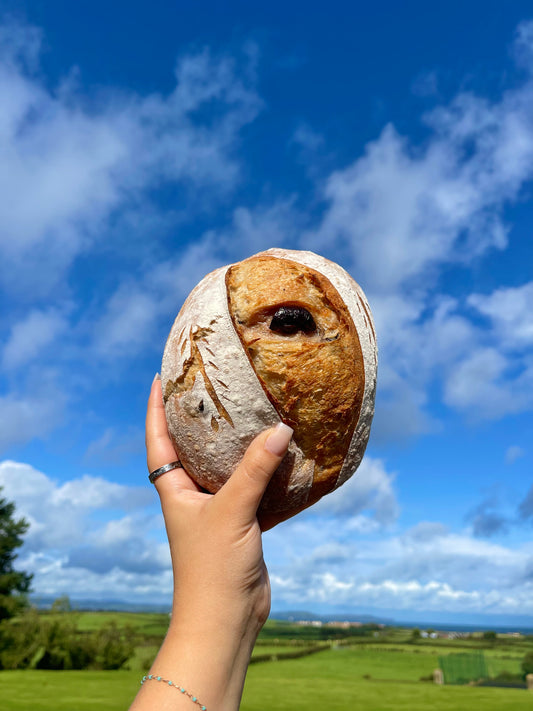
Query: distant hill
x=444 y=621
x=302 y=616
x=44 y=602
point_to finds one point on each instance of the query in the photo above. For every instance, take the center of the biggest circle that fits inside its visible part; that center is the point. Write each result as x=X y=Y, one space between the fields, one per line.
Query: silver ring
x=163 y=470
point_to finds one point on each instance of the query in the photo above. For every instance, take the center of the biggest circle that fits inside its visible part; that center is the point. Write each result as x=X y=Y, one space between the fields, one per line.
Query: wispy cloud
x=68 y=163
x=114 y=533
x=75 y=169
x=401 y=213
x=396 y=216
x=88 y=526
x=31 y=336
x=432 y=569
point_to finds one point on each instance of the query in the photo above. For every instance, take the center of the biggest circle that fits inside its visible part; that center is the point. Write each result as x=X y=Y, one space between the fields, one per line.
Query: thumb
x=242 y=493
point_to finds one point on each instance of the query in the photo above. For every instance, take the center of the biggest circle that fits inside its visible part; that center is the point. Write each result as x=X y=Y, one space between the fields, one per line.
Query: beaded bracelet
x=153 y=677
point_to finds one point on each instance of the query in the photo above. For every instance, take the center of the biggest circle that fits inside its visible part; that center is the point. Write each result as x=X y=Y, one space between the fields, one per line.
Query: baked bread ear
x=283 y=335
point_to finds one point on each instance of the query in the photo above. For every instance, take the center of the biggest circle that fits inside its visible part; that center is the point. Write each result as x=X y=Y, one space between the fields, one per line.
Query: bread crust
x=314 y=380
x=226 y=377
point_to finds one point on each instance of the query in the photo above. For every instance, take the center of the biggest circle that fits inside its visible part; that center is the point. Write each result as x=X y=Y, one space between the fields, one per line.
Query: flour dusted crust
x=226 y=375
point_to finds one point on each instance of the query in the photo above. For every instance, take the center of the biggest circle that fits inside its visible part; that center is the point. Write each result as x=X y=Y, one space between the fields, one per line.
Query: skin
x=221 y=588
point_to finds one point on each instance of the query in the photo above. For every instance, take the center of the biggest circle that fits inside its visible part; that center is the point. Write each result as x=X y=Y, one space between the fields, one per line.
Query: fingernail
x=156 y=377
x=278 y=441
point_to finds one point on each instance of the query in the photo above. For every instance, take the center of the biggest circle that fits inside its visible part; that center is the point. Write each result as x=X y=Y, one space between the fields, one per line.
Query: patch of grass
x=67 y=691
x=148 y=624
x=279 y=650
x=334 y=680
x=142 y=658
x=498 y=665
x=341 y=679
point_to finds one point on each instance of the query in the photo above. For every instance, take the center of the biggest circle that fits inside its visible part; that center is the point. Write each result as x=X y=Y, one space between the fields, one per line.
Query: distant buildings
x=342 y=624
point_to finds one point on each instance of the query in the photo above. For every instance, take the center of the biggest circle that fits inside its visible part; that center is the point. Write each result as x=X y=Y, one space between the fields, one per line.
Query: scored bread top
x=221 y=389
x=314 y=375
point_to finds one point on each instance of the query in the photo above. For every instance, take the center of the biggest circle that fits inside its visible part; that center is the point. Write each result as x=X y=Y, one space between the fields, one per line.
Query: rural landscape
x=64 y=659
x=266 y=345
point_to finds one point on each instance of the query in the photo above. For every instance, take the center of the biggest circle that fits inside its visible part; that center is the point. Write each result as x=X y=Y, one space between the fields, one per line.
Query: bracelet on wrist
x=154 y=677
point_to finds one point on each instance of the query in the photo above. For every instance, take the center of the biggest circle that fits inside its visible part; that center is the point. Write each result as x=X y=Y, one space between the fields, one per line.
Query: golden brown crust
x=314 y=380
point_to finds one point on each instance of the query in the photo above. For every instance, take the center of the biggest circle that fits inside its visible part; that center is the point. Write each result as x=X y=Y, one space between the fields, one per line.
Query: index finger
x=159 y=447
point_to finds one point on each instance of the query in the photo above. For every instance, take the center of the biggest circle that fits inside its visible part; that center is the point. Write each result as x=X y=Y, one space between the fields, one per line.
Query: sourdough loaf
x=283 y=335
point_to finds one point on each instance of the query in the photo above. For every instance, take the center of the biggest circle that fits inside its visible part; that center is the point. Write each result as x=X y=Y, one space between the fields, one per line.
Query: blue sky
x=143 y=145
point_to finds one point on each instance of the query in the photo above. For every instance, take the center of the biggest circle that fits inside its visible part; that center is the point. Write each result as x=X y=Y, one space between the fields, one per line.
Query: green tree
x=36 y=641
x=14 y=585
x=114 y=646
x=61 y=604
x=490 y=636
x=527 y=664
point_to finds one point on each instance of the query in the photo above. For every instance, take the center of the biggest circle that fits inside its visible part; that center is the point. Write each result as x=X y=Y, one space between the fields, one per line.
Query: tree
x=52 y=641
x=14 y=585
x=61 y=604
x=490 y=636
x=527 y=664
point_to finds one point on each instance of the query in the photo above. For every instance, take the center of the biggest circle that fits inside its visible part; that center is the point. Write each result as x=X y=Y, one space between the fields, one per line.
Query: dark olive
x=290 y=319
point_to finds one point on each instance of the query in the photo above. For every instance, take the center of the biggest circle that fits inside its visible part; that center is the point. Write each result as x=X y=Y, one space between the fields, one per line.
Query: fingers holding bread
x=159 y=447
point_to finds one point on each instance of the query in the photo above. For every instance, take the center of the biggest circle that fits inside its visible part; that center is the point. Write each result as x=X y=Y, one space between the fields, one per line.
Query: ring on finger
x=163 y=470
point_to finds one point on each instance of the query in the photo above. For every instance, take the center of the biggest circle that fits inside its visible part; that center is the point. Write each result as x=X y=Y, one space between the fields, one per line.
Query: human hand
x=215 y=540
x=221 y=587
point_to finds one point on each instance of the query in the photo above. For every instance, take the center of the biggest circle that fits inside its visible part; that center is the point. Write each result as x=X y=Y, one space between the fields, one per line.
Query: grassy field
x=378 y=672
x=67 y=690
x=338 y=680
x=334 y=680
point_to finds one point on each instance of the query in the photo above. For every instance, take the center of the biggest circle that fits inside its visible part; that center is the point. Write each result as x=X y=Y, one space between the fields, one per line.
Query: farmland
x=379 y=670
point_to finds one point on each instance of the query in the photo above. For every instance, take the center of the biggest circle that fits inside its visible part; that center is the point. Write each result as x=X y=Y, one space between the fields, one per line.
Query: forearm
x=208 y=658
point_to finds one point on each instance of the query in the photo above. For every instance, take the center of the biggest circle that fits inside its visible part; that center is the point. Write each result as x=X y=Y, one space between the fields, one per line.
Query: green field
x=384 y=670
x=333 y=680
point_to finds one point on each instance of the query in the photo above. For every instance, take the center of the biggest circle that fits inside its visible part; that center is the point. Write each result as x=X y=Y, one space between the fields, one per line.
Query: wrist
x=230 y=614
x=229 y=630
x=210 y=660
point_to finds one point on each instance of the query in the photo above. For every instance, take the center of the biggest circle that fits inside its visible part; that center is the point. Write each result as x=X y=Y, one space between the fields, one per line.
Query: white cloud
x=113 y=532
x=428 y=567
x=370 y=488
x=30 y=337
x=30 y=416
x=523 y=44
x=54 y=577
x=93 y=538
x=483 y=385
x=400 y=213
x=136 y=310
x=418 y=342
x=75 y=167
x=60 y=514
x=489 y=371
x=133 y=316
x=426 y=531
x=510 y=313
x=89 y=537
x=395 y=217
x=69 y=163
